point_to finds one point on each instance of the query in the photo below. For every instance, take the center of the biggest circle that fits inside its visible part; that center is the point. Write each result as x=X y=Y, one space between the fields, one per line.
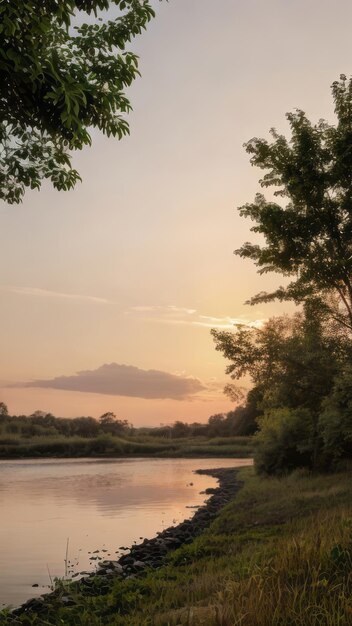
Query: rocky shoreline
x=152 y=553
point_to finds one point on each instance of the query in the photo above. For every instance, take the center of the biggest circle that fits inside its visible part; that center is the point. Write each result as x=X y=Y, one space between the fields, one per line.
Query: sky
x=108 y=292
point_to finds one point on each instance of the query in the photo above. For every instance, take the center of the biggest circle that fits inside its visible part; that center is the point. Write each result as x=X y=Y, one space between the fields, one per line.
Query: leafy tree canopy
x=309 y=239
x=300 y=409
x=110 y=424
x=291 y=361
x=3 y=410
x=57 y=81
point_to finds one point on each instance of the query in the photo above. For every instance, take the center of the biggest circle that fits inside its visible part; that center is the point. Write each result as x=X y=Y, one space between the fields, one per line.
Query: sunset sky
x=108 y=293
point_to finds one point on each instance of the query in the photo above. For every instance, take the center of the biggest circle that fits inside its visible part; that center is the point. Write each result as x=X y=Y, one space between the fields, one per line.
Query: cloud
x=226 y=322
x=124 y=380
x=172 y=314
x=46 y=293
x=169 y=309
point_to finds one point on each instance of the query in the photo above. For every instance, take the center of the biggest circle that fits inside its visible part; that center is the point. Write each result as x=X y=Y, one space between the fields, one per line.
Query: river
x=87 y=509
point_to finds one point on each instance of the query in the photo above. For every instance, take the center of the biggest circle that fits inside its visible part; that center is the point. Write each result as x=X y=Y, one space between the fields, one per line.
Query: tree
x=242 y=421
x=179 y=429
x=3 y=410
x=113 y=426
x=216 y=424
x=85 y=427
x=291 y=361
x=57 y=81
x=309 y=239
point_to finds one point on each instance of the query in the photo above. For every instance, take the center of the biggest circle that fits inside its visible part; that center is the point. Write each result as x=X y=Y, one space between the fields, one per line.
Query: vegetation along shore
x=43 y=435
x=268 y=552
x=109 y=446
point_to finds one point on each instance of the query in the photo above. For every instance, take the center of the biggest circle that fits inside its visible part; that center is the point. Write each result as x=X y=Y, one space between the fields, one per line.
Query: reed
x=15 y=446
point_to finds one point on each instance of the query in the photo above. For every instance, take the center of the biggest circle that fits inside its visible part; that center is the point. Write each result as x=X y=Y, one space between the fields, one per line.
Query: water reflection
x=97 y=504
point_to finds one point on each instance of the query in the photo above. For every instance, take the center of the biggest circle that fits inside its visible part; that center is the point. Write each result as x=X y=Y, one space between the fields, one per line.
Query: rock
x=114 y=566
x=117 y=567
x=67 y=601
x=139 y=565
x=127 y=560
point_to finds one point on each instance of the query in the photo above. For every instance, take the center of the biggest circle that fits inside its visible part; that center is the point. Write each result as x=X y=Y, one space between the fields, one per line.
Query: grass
x=280 y=554
x=13 y=446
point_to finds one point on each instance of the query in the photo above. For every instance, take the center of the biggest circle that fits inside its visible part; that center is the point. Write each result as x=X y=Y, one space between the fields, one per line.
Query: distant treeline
x=239 y=422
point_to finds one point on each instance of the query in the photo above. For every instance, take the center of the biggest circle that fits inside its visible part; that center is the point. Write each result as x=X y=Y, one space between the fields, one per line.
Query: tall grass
x=14 y=446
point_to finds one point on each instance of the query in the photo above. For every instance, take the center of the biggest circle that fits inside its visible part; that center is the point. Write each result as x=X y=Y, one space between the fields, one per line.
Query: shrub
x=335 y=422
x=285 y=441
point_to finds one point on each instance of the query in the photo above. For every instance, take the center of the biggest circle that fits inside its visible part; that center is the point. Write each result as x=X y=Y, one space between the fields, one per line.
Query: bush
x=285 y=441
x=335 y=422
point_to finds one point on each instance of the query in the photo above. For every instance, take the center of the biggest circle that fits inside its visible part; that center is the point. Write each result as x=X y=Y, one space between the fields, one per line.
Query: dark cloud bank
x=124 y=380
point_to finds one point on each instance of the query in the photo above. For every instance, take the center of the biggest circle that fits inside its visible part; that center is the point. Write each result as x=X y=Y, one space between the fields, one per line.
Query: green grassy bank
x=14 y=446
x=279 y=554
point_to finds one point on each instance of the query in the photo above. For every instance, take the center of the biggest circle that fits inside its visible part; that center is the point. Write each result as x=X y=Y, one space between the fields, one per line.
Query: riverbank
x=151 y=553
x=14 y=447
x=279 y=553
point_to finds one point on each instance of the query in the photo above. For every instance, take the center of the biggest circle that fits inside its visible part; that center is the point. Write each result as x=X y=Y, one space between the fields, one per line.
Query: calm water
x=91 y=504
